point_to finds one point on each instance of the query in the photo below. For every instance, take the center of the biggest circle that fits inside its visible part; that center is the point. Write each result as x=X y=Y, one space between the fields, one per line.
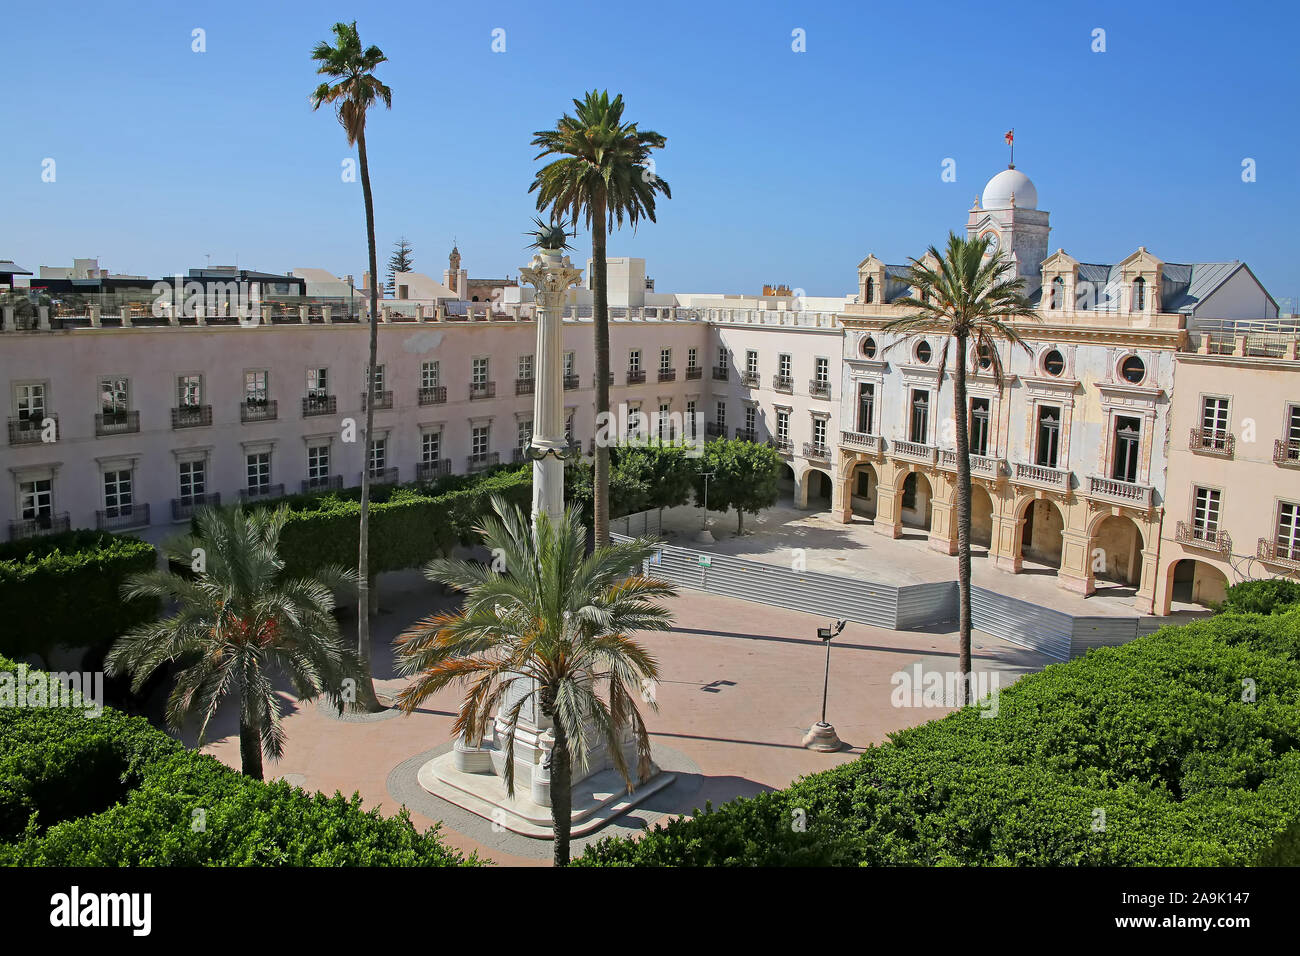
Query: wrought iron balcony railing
x=41 y=524
x=191 y=416
x=30 y=430
x=323 y=483
x=433 y=395
x=1121 y=492
x=525 y=386
x=815 y=450
x=570 y=382
x=749 y=379
x=635 y=376
x=483 y=460
x=668 y=375
x=429 y=470
x=263 y=411
x=119 y=422
x=318 y=404
x=745 y=434
x=1280 y=553
x=184 y=507
x=1212 y=442
x=383 y=476
x=261 y=492
x=783 y=383
x=714 y=430
x=123 y=516
x=383 y=399
x=818 y=389
x=694 y=372
x=720 y=374
x=595 y=379
x=783 y=446
x=1198 y=536
x=1286 y=452
x=1044 y=476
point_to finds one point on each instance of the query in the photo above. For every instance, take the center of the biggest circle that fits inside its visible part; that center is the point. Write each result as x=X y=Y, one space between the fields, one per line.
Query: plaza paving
x=740 y=684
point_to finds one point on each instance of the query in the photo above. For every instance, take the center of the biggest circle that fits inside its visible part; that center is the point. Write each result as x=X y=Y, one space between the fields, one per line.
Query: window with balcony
x=866 y=407
x=665 y=429
x=665 y=360
x=1286 y=539
x=1127 y=449
x=1288 y=448
x=377 y=380
x=193 y=480
x=919 y=425
x=721 y=417
x=783 y=429
x=524 y=436
x=1047 y=447
x=690 y=418
x=318 y=383
x=29 y=402
x=430 y=375
x=115 y=416
x=36 y=499
x=1206 y=503
x=189 y=391
x=257 y=386
x=258 y=468
x=525 y=366
x=480 y=439
x=751 y=363
x=318 y=464
x=819 y=432
x=378 y=455
x=118 y=498
x=634 y=360
x=431 y=447
x=692 y=359
x=979 y=426
x=478 y=376
x=822 y=374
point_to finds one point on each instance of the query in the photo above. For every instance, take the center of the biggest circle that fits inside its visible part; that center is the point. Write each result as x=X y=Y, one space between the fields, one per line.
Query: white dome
x=997 y=194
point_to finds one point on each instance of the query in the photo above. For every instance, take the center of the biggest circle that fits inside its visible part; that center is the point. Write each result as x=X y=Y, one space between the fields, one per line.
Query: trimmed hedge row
x=63 y=590
x=114 y=791
x=1153 y=753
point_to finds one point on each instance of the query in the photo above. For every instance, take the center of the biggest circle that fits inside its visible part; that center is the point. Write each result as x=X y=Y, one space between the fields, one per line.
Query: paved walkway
x=740 y=685
x=857 y=550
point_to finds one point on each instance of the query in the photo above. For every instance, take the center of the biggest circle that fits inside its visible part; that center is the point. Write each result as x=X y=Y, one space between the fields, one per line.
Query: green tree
x=554 y=625
x=353 y=89
x=970 y=298
x=664 y=469
x=237 y=620
x=745 y=477
x=605 y=175
x=402 y=260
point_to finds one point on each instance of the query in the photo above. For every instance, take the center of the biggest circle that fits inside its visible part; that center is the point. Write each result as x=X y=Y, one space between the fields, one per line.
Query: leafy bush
x=114 y=791
x=1159 y=738
x=1262 y=597
x=62 y=590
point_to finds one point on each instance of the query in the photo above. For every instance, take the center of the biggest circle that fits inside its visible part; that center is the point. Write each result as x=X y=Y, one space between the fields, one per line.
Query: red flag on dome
x=1010 y=137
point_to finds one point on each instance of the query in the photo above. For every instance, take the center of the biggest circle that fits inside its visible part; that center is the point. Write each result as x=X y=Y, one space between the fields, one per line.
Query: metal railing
x=1123 y=492
x=720 y=374
x=818 y=389
x=714 y=430
x=191 y=416
x=383 y=476
x=433 y=395
x=749 y=379
x=745 y=434
x=481 y=461
x=1286 y=452
x=116 y=423
x=814 y=450
x=1198 y=536
x=1058 y=479
x=383 y=399
x=1212 y=441
x=570 y=382
x=31 y=430
x=42 y=524
x=183 y=508
x=1288 y=556
x=264 y=411
x=319 y=405
x=668 y=375
x=635 y=376
x=429 y=470
x=525 y=386
x=260 y=492
x=783 y=446
x=783 y=383
x=324 y=483
x=695 y=372
x=595 y=379
x=482 y=390
x=123 y=516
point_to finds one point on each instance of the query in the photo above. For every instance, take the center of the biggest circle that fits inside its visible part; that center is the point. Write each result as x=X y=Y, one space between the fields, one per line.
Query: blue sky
x=785 y=167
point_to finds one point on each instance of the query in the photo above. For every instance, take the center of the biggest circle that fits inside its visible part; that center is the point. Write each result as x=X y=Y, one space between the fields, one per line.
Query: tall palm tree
x=237 y=619
x=605 y=174
x=353 y=89
x=971 y=299
x=553 y=626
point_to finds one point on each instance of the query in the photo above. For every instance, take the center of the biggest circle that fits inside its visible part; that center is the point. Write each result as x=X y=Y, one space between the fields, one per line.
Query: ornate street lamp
x=821 y=736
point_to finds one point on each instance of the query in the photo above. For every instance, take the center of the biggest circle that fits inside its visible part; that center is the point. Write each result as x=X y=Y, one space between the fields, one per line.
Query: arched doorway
x=1042 y=539
x=1197 y=582
x=864 y=489
x=1116 y=551
x=820 y=489
x=786 y=484
x=917 y=494
x=981 y=517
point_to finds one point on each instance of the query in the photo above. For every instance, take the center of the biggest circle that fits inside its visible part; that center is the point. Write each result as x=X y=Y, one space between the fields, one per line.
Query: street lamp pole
x=706 y=536
x=821 y=736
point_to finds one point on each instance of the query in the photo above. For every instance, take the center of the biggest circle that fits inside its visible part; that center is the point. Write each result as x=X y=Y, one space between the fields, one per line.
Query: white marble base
x=598 y=799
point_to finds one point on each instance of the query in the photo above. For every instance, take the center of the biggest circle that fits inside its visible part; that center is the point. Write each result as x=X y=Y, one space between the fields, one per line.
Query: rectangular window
x=525 y=366
x=1205 y=512
x=117 y=492
x=1287 y=539
x=866 y=407
x=721 y=418
x=479 y=439
x=318 y=462
x=568 y=364
x=634 y=360
x=378 y=454
x=525 y=432
x=722 y=359
x=1214 y=418
x=189 y=390
x=690 y=418
x=784 y=366
x=431 y=447
x=665 y=432
x=318 y=382
x=193 y=480
x=979 y=426
x=692 y=358
x=1049 y=436
x=36 y=499
x=864 y=484
x=377 y=382
x=568 y=428
x=665 y=359
x=751 y=362
x=1128 y=434
x=259 y=471
x=113 y=395
x=478 y=372
x=919 y=426
x=30 y=401
x=823 y=371
x=429 y=375
x=819 y=432
x=257 y=386
x=1292 y=450
x=783 y=427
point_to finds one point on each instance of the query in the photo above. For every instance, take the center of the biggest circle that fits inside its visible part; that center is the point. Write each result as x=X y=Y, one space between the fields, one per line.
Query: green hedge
x=1155 y=733
x=1262 y=597
x=114 y=791
x=62 y=590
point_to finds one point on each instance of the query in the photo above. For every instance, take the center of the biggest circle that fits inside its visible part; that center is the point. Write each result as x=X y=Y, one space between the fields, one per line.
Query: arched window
x=871 y=289
x=1139 y=294
x=1057 y=294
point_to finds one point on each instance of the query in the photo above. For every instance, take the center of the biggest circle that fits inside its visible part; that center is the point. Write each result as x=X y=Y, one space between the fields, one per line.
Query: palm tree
x=556 y=624
x=971 y=298
x=605 y=174
x=237 y=619
x=354 y=89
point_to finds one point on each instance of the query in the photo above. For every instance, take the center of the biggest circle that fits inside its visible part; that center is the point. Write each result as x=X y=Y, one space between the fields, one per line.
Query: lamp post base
x=705 y=536
x=822 y=738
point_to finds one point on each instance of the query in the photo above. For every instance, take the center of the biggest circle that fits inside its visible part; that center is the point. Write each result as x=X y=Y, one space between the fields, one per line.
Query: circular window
x=924 y=353
x=984 y=357
x=1133 y=369
x=869 y=347
x=1054 y=363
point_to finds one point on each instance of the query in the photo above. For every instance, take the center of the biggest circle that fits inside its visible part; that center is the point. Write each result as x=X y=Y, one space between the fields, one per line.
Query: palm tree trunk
x=561 y=794
x=250 y=750
x=600 y=315
x=963 y=521
x=366 y=698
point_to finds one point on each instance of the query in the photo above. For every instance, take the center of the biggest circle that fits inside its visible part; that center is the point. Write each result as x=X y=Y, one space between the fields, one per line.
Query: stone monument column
x=552 y=274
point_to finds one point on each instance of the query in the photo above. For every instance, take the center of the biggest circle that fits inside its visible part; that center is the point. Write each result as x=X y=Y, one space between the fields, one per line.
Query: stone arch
x=981 y=516
x=863 y=477
x=787 y=483
x=1195 y=582
x=1115 y=549
x=1042 y=537
x=916 y=499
